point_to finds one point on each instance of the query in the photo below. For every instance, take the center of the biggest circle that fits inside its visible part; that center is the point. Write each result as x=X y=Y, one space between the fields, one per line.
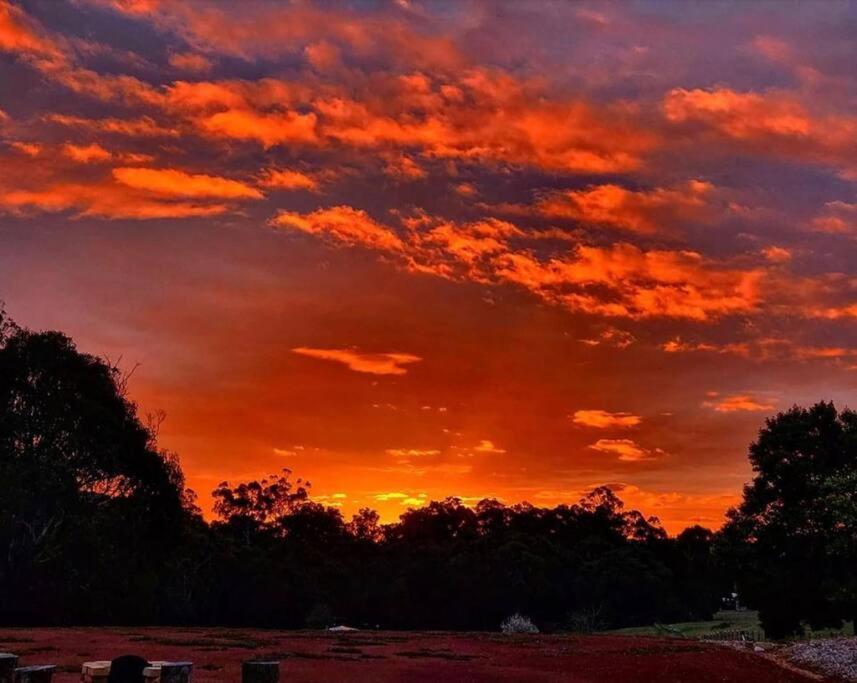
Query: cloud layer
x=449 y=248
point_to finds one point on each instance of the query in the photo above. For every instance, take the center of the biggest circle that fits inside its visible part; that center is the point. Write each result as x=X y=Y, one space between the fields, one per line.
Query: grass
x=723 y=621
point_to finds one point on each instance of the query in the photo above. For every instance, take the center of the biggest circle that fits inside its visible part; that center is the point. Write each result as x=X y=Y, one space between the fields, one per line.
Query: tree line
x=97 y=527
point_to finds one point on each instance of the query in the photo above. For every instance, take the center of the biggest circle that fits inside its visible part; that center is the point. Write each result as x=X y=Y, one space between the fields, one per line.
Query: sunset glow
x=415 y=249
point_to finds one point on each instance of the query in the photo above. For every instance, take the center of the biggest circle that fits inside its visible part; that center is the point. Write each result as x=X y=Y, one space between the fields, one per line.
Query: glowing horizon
x=413 y=250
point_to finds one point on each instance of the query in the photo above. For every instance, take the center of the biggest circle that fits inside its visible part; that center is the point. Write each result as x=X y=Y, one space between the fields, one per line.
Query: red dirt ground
x=394 y=656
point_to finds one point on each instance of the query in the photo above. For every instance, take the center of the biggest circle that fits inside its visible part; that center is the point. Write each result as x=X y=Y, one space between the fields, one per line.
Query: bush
x=518 y=624
x=585 y=620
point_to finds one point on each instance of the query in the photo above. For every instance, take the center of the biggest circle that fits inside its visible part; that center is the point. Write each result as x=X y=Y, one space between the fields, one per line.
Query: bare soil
x=308 y=656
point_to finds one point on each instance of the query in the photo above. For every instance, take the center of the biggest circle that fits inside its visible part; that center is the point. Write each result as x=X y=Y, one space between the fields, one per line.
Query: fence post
x=260 y=672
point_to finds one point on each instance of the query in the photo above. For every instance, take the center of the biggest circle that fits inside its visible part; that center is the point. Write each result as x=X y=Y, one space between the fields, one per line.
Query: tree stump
x=176 y=672
x=260 y=672
x=8 y=662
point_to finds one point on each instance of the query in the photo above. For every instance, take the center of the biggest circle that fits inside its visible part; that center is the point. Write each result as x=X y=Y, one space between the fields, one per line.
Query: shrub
x=585 y=620
x=518 y=624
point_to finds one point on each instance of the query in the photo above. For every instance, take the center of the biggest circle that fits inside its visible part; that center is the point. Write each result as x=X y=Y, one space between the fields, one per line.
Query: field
x=398 y=656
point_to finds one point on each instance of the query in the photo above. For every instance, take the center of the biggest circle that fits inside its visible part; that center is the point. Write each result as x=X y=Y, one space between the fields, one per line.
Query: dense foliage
x=96 y=527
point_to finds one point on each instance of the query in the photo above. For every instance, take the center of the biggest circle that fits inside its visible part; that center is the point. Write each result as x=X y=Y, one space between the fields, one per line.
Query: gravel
x=836 y=656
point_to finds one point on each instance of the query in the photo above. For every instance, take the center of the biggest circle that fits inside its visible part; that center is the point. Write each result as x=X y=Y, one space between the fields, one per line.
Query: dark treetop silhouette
x=96 y=527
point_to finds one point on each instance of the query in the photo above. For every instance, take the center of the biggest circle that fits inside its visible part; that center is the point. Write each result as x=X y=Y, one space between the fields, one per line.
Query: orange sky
x=417 y=249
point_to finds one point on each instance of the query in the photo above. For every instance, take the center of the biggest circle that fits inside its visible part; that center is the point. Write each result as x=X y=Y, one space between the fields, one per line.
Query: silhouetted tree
x=794 y=537
x=88 y=504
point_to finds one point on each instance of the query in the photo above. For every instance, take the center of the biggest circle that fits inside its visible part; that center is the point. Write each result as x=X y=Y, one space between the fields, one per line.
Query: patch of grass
x=747 y=620
x=723 y=621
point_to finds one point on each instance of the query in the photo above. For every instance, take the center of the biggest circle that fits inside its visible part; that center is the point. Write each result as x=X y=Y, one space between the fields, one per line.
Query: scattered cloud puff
x=404 y=499
x=86 y=154
x=627 y=450
x=602 y=419
x=288 y=179
x=611 y=337
x=738 y=403
x=192 y=62
x=362 y=361
x=486 y=446
x=412 y=452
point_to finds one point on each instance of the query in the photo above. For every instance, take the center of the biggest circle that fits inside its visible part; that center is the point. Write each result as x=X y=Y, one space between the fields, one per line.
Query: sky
x=415 y=249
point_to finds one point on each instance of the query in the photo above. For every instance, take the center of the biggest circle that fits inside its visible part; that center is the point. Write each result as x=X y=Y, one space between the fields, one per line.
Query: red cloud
x=644 y=212
x=772 y=123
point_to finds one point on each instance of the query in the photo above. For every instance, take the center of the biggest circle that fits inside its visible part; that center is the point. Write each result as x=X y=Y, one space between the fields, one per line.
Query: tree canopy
x=794 y=537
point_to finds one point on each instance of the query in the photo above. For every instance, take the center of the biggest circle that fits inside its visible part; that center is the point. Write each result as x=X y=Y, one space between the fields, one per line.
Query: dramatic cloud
x=171 y=182
x=577 y=207
x=635 y=283
x=343 y=224
x=602 y=419
x=19 y=34
x=647 y=213
x=360 y=361
x=102 y=200
x=774 y=122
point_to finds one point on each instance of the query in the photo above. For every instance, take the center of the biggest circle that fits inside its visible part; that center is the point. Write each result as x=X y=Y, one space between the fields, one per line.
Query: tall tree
x=85 y=490
x=794 y=535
